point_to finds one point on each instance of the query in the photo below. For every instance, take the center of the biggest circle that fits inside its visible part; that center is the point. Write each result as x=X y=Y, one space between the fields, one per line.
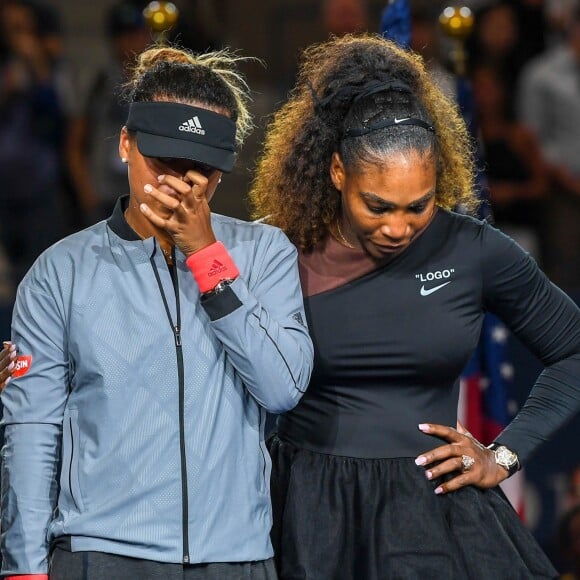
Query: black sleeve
x=548 y=322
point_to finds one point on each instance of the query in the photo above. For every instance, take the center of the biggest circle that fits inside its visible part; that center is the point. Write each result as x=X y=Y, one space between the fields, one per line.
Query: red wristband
x=210 y=265
x=27 y=577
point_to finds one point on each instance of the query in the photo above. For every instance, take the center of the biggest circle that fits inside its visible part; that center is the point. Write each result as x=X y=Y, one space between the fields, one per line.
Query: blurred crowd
x=60 y=169
x=58 y=148
x=59 y=163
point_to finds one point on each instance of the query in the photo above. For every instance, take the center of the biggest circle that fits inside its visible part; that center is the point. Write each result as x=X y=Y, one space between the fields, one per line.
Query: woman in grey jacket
x=135 y=416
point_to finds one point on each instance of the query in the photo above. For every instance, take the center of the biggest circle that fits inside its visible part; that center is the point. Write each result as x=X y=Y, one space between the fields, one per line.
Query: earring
x=220 y=180
x=124 y=159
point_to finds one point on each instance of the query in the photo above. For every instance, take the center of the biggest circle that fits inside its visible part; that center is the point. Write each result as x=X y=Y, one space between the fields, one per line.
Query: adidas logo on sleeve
x=192 y=126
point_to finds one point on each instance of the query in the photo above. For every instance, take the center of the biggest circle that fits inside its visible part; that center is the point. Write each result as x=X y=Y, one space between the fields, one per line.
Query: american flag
x=484 y=402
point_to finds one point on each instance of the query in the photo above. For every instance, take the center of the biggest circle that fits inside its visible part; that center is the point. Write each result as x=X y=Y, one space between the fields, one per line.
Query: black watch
x=218 y=288
x=505 y=457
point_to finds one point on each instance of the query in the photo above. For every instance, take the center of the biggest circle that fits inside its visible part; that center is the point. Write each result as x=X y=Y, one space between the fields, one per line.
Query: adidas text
x=192 y=126
x=191 y=129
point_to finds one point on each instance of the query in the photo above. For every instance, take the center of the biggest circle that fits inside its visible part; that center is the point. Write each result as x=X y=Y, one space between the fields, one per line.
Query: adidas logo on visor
x=192 y=126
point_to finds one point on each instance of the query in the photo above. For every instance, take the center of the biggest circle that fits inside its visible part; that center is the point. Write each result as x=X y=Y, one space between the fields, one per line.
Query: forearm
x=274 y=358
x=553 y=401
x=29 y=485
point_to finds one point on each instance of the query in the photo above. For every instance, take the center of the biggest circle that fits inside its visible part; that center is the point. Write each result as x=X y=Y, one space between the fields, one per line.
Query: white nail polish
x=148 y=188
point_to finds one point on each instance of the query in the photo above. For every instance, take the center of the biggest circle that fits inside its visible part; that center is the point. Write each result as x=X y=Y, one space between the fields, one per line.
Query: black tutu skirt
x=341 y=518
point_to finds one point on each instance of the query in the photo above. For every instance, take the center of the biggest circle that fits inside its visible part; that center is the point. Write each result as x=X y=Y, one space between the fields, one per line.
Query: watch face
x=505 y=457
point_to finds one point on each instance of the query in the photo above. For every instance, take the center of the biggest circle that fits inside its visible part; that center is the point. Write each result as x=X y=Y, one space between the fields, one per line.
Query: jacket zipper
x=176 y=328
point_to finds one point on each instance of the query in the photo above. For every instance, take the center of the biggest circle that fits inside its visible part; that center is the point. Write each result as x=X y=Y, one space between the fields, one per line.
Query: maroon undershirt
x=331 y=264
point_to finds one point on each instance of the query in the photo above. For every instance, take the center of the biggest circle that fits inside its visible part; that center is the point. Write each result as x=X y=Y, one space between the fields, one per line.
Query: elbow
x=290 y=397
x=283 y=404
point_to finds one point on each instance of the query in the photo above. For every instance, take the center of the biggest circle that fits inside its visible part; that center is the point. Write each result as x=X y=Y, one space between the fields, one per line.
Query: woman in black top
x=363 y=168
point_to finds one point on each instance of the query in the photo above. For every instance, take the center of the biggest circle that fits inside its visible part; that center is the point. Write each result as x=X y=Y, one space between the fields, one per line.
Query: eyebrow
x=373 y=197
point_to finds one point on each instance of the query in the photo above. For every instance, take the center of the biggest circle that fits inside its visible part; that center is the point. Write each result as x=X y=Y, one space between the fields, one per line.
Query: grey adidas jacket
x=139 y=427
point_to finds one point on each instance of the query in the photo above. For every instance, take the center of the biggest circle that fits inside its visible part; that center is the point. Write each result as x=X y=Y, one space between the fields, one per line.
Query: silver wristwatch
x=505 y=457
x=218 y=288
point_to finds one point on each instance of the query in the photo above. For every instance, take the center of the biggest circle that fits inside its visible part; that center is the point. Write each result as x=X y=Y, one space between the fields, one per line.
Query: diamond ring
x=467 y=462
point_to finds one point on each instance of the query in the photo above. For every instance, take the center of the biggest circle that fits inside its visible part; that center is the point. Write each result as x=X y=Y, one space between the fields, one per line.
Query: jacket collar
x=118 y=223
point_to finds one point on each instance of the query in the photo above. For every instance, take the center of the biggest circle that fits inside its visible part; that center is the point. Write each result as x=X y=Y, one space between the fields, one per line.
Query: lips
x=389 y=248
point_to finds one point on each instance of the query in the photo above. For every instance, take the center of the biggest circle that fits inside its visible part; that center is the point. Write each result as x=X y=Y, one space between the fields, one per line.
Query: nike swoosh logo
x=431 y=290
x=397 y=121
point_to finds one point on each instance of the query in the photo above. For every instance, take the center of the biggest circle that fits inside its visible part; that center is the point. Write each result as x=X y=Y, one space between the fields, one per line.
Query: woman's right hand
x=7 y=364
x=189 y=223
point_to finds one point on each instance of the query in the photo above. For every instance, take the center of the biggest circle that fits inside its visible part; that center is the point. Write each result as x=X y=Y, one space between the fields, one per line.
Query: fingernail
x=160 y=177
x=420 y=460
x=11 y=366
x=6 y=343
x=7 y=381
x=423 y=427
x=12 y=353
x=148 y=188
x=143 y=207
x=438 y=490
x=12 y=347
x=428 y=474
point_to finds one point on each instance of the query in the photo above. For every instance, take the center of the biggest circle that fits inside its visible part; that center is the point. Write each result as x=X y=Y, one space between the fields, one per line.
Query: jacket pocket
x=266 y=462
x=69 y=479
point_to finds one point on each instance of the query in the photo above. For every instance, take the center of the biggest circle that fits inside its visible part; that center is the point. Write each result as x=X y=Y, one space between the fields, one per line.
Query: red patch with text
x=23 y=364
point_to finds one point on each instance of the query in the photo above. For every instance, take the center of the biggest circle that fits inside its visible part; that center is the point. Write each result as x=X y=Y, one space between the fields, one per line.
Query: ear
x=337 y=172
x=124 y=144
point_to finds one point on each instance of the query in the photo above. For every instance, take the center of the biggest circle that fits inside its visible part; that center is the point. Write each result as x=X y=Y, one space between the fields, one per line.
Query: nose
x=395 y=228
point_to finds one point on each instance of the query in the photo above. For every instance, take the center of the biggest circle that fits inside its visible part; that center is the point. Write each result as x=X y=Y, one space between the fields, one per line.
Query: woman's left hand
x=464 y=455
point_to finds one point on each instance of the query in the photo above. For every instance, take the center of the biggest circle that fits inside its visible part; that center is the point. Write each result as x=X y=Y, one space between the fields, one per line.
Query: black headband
x=358 y=131
x=184 y=132
x=354 y=93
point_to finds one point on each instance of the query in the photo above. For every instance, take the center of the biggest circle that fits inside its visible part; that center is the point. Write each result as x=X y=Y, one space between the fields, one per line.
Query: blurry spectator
x=558 y=15
x=200 y=24
x=345 y=16
x=549 y=103
x=32 y=125
x=495 y=41
x=425 y=40
x=531 y=16
x=516 y=171
x=7 y=294
x=92 y=144
x=573 y=497
x=569 y=543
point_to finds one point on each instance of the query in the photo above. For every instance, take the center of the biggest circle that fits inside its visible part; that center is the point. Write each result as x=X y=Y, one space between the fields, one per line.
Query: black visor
x=184 y=132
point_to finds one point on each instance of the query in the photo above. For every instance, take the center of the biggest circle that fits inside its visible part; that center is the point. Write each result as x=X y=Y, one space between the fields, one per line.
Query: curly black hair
x=351 y=82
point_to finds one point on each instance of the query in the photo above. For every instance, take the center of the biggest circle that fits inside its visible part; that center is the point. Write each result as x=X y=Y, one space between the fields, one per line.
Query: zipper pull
x=177 y=334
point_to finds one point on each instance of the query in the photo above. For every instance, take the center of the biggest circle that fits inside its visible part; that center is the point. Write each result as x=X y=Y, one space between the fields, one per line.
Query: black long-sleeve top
x=391 y=344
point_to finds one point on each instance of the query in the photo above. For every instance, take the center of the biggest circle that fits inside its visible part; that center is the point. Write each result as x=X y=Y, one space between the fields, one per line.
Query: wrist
x=505 y=458
x=211 y=265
